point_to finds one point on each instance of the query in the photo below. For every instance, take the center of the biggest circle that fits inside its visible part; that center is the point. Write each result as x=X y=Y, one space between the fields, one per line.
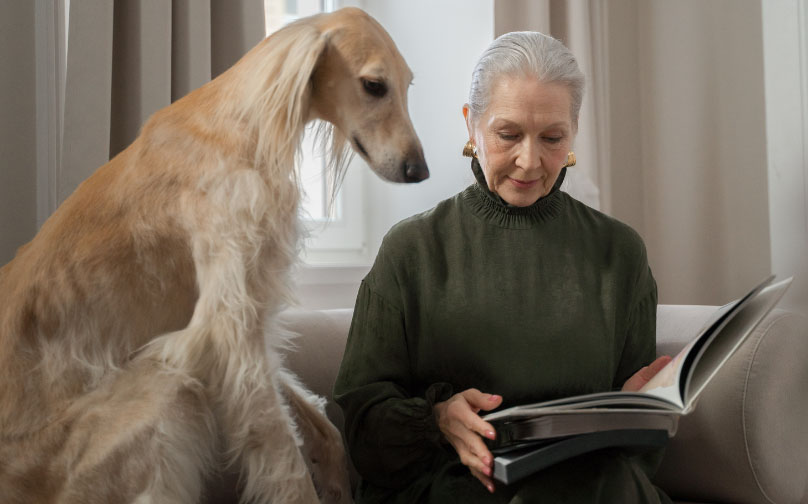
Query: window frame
x=339 y=239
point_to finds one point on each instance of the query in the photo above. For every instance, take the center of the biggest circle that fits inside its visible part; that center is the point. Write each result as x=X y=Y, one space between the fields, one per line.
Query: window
x=335 y=229
x=278 y=13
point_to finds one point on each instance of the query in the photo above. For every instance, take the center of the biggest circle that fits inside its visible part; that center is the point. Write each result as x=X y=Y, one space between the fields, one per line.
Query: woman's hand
x=460 y=423
x=645 y=374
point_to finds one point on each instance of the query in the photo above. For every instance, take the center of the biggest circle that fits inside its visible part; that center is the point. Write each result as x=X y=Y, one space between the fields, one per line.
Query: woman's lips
x=523 y=184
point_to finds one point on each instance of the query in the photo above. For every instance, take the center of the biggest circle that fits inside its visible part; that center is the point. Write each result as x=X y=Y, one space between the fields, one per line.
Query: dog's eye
x=374 y=88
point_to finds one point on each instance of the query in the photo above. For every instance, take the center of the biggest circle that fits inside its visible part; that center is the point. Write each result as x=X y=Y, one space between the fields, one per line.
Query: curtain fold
x=570 y=21
x=126 y=59
x=141 y=67
x=672 y=131
x=236 y=26
x=88 y=87
x=190 y=46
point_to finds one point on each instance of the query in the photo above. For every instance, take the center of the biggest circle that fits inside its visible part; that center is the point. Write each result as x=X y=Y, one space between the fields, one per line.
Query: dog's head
x=359 y=84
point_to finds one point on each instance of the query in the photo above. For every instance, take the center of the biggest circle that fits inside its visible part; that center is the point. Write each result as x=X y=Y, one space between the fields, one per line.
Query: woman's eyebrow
x=501 y=122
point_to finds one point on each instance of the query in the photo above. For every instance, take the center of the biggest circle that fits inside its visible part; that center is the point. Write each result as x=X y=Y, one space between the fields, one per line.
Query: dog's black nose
x=415 y=171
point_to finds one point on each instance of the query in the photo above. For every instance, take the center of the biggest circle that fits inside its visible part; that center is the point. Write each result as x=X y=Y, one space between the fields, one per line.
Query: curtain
x=672 y=131
x=570 y=21
x=18 y=126
x=127 y=59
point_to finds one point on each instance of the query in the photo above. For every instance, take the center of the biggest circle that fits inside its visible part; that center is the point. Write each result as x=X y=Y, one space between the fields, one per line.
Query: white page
x=714 y=355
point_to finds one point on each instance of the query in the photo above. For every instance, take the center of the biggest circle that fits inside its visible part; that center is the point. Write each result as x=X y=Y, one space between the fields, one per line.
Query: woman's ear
x=467 y=117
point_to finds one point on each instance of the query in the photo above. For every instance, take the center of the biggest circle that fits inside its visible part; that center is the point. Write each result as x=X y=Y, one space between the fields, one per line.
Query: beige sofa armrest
x=747 y=440
x=316 y=354
x=317 y=350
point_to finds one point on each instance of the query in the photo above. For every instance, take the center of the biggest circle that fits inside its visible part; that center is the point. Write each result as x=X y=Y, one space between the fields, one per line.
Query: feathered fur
x=133 y=357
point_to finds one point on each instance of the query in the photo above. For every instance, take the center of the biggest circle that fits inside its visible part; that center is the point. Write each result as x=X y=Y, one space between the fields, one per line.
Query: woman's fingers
x=656 y=366
x=473 y=423
x=471 y=460
x=477 y=448
x=644 y=375
x=480 y=400
x=460 y=412
x=462 y=426
x=471 y=449
x=487 y=481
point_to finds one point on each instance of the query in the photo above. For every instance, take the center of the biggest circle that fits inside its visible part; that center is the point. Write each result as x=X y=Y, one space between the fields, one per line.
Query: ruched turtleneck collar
x=494 y=209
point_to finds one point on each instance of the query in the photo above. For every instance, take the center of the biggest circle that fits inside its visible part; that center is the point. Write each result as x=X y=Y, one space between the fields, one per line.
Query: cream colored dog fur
x=133 y=362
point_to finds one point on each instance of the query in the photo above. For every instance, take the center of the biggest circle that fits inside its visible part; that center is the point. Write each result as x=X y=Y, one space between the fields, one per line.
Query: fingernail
x=487 y=462
x=490 y=434
x=493 y=397
x=491 y=488
x=487 y=471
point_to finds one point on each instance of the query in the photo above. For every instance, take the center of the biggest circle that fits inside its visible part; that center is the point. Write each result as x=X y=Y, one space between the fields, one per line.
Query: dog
x=133 y=362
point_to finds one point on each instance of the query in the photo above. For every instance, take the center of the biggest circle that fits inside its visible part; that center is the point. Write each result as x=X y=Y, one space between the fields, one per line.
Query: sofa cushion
x=316 y=351
x=747 y=440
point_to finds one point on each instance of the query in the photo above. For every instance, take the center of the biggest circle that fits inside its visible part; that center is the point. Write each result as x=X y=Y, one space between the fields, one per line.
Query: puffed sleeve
x=392 y=436
x=639 y=348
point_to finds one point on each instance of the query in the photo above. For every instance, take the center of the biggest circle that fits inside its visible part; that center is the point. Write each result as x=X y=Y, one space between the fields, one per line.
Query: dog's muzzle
x=415 y=172
x=415 y=169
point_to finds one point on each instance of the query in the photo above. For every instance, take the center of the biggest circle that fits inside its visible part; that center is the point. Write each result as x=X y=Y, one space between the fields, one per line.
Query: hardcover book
x=531 y=437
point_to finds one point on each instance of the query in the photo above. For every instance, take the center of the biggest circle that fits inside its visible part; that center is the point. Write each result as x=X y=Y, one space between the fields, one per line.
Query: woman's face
x=523 y=137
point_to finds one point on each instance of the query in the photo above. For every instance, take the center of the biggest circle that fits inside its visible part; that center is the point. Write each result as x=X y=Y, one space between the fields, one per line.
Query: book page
x=665 y=384
x=558 y=425
x=727 y=341
x=606 y=400
x=668 y=383
x=671 y=382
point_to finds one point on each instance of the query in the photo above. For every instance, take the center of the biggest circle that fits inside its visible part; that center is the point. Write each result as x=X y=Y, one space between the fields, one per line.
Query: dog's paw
x=329 y=472
x=336 y=496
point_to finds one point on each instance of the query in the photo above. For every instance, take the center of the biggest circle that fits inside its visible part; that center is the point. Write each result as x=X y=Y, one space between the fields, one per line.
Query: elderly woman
x=509 y=292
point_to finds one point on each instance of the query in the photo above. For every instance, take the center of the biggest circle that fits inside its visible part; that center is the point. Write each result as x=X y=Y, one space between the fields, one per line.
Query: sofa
x=745 y=443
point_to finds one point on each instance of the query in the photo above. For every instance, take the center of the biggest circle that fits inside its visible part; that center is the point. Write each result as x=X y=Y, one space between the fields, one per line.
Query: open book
x=655 y=408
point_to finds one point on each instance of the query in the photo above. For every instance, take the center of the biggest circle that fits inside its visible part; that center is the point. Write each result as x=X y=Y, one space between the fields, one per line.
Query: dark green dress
x=533 y=304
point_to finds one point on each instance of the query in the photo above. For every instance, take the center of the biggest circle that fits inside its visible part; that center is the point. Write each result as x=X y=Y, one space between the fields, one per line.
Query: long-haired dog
x=133 y=361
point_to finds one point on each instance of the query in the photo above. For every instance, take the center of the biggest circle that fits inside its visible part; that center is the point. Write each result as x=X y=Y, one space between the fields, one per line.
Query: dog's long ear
x=276 y=89
x=331 y=141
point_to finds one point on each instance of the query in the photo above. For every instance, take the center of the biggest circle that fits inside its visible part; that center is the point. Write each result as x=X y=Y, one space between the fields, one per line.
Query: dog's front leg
x=258 y=435
x=261 y=436
x=323 y=448
x=242 y=236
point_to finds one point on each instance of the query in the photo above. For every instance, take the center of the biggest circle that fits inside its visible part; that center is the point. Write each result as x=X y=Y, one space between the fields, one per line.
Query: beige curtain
x=128 y=58
x=18 y=126
x=571 y=22
x=672 y=131
x=692 y=116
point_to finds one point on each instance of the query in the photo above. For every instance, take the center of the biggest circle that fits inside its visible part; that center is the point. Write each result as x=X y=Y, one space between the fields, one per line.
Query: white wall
x=17 y=127
x=441 y=42
x=785 y=37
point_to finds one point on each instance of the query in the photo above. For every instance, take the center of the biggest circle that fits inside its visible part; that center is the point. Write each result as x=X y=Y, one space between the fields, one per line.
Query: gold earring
x=470 y=150
x=570 y=159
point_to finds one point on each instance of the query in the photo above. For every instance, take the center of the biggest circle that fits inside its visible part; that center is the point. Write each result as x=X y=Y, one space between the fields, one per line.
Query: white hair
x=526 y=53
